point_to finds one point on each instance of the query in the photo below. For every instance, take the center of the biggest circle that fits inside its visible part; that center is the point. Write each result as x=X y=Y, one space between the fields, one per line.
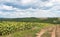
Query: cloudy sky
x=29 y=8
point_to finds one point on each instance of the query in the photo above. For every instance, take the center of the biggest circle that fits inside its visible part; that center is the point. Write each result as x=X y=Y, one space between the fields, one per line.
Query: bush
x=10 y=27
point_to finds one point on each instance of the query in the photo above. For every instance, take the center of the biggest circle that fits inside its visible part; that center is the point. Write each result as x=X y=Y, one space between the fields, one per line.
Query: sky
x=29 y=8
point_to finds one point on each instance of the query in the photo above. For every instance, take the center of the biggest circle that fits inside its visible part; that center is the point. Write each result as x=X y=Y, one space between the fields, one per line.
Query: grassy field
x=9 y=28
x=21 y=29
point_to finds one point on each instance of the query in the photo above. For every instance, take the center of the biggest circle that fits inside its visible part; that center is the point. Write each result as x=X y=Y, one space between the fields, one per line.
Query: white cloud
x=26 y=1
x=30 y=12
x=56 y=8
x=1 y=13
x=5 y=7
x=4 y=14
x=57 y=0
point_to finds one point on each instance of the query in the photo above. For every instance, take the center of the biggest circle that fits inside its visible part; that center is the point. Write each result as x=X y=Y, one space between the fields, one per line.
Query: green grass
x=24 y=27
x=46 y=34
x=26 y=32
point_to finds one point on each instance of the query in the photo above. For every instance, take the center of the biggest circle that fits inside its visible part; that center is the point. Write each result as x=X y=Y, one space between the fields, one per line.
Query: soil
x=53 y=31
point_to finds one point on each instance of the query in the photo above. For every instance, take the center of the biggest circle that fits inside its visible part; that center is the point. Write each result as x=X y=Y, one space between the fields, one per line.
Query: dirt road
x=53 y=32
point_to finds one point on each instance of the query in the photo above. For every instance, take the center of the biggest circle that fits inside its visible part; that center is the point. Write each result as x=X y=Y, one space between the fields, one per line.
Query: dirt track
x=53 y=31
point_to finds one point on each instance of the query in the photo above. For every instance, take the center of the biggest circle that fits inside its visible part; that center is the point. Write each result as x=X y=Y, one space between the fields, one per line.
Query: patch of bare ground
x=53 y=33
x=58 y=31
x=40 y=34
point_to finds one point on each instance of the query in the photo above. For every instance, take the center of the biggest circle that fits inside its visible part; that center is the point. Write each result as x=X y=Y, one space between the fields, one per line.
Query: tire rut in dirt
x=50 y=32
x=45 y=32
x=53 y=33
x=58 y=31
